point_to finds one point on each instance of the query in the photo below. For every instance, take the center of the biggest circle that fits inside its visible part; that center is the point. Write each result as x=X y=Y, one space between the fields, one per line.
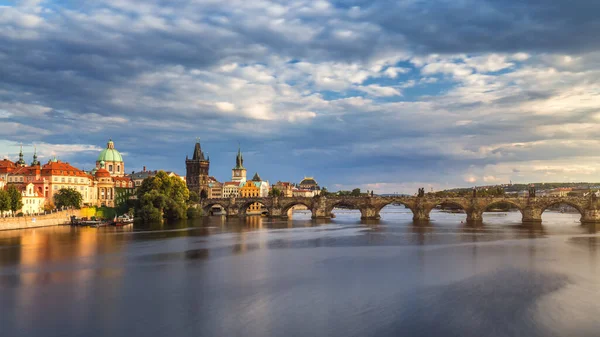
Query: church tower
x=21 y=161
x=197 y=172
x=238 y=173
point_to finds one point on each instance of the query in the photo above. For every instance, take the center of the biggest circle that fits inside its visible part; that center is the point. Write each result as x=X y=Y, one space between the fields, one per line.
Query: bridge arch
x=351 y=204
x=440 y=202
x=407 y=205
x=549 y=203
x=285 y=208
x=488 y=205
x=463 y=206
x=206 y=209
x=246 y=204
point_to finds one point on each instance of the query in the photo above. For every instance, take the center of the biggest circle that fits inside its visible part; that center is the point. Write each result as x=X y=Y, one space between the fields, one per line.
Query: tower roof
x=239 y=160
x=256 y=177
x=198 y=154
x=21 y=161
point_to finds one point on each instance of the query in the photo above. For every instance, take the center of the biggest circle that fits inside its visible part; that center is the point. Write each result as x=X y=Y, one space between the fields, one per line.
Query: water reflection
x=341 y=277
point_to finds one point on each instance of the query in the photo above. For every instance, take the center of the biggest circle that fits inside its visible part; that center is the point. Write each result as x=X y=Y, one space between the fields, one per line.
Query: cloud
x=367 y=93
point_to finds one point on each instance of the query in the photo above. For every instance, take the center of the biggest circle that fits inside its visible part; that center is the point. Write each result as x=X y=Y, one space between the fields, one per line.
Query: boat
x=122 y=220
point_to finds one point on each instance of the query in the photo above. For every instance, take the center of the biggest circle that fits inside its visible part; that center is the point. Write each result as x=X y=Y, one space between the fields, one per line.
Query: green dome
x=110 y=154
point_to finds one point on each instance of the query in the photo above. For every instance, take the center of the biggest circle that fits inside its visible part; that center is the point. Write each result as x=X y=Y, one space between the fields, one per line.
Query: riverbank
x=54 y=219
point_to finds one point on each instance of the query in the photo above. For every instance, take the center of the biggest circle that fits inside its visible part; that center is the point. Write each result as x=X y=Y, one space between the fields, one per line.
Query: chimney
x=144 y=169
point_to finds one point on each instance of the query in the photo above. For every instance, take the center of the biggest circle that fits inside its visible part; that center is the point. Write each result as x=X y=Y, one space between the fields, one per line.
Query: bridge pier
x=420 y=214
x=276 y=212
x=320 y=210
x=590 y=216
x=233 y=212
x=369 y=213
x=474 y=215
x=532 y=215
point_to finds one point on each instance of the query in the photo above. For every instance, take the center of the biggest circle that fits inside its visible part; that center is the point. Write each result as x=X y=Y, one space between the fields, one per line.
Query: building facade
x=33 y=200
x=40 y=183
x=285 y=188
x=231 y=189
x=215 y=188
x=196 y=176
x=248 y=190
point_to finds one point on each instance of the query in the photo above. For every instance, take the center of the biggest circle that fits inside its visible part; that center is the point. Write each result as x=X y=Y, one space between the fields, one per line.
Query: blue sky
x=383 y=95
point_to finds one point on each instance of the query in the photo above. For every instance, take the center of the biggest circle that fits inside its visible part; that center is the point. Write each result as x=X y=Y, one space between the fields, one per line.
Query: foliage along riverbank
x=163 y=197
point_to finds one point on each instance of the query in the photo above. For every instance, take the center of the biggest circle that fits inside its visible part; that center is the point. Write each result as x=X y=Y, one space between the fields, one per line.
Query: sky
x=382 y=95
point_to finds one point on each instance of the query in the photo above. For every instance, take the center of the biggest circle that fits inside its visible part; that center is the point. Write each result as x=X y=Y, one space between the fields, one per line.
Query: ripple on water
x=503 y=299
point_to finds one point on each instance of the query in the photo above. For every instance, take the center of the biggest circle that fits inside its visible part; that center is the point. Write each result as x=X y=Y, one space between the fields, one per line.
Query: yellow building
x=249 y=190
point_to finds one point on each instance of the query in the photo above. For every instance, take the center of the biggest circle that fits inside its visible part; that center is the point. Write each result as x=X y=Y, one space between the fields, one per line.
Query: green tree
x=4 y=201
x=194 y=197
x=274 y=192
x=325 y=192
x=355 y=192
x=68 y=197
x=162 y=196
x=16 y=200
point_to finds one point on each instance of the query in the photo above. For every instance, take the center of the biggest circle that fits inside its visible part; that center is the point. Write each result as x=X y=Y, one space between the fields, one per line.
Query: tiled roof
x=231 y=183
x=6 y=163
x=61 y=168
x=142 y=175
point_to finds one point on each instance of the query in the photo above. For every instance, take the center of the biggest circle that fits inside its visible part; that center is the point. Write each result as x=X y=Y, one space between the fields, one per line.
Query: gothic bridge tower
x=197 y=172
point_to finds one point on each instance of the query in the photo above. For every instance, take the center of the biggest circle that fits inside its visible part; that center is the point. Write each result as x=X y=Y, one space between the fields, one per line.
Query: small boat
x=122 y=220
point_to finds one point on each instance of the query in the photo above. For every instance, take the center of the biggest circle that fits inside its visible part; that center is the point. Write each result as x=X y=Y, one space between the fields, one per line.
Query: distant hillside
x=524 y=187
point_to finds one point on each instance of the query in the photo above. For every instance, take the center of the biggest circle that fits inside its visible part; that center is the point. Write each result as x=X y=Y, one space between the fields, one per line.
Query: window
x=118 y=168
x=110 y=168
x=62 y=180
x=69 y=179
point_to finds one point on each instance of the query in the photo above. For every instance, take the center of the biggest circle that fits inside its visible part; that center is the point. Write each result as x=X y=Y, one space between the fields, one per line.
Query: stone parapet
x=53 y=219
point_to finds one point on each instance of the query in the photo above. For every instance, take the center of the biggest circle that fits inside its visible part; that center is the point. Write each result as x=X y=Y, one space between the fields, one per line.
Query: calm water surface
x=341 y=277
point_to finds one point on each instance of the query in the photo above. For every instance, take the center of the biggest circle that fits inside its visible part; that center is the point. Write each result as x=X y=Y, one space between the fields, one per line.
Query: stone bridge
x=531 y=208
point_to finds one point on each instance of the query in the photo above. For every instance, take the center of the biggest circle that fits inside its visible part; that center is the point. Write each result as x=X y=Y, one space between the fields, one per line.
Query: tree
x=355 y=192
x=325 y=192
x=4 y=201
x=16 y=200
x=162 y=196
x=274 y=192
x=194 y=197
x=49 y=206
x=68 y=197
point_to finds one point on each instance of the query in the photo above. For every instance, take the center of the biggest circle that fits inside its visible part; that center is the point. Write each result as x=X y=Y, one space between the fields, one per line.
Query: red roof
x=102 y=173
x=60 y=168
x=232 y=183
x=126 y=179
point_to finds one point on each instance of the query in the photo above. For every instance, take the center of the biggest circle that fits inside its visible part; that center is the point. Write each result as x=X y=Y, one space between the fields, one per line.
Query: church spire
x=239 y=159
x=35 y=161
x=21 y=161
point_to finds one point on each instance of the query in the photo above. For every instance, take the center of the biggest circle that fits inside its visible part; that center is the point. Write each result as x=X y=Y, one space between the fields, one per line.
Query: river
x=338 y=277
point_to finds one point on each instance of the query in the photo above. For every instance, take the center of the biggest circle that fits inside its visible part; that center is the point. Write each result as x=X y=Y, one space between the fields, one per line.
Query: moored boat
x=122 y=220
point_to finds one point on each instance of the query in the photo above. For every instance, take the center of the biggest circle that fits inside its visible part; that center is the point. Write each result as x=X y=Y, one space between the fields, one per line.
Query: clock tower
x=238 y=173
